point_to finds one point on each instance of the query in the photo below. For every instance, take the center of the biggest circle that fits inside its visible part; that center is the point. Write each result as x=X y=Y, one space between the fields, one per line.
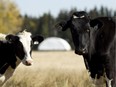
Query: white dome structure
x=54 y=43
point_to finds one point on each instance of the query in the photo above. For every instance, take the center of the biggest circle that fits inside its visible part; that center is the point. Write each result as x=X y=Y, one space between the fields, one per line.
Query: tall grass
x=49 y=78
x=55 y=71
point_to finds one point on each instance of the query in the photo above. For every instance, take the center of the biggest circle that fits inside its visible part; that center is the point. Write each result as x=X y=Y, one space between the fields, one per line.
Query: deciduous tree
x=10 y=19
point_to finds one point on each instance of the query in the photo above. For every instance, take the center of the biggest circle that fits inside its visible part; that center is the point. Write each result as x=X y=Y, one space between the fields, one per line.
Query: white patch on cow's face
x=82 y=16
x=75 y=17
x=25 y=39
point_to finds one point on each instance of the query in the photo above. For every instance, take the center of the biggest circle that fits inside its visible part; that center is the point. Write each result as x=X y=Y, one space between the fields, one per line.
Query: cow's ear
x=63 y=25
x=96 y=22
x=37 y=39
x=12 y=38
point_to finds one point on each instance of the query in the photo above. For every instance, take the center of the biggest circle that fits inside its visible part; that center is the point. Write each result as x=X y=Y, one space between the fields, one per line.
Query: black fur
x=95 y=40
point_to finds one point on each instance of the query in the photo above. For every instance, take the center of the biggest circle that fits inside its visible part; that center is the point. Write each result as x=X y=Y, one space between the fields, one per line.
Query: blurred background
x=40 y=16
x=53 y=68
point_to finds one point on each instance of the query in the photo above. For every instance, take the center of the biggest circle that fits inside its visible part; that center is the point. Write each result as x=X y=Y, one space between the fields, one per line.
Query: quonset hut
x=54 y=43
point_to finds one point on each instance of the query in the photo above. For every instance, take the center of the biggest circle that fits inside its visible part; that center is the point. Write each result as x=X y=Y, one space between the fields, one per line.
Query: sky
x=37 y=8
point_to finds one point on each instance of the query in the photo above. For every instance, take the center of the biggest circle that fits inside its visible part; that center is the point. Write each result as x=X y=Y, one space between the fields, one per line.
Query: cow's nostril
x=29 y=62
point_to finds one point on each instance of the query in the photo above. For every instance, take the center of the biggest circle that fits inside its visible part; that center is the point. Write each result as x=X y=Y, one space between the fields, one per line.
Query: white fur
x=82 y=16
x=74 y=16
x=25 y=39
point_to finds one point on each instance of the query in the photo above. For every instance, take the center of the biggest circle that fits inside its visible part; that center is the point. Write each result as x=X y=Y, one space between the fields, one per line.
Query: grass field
x=52 y=69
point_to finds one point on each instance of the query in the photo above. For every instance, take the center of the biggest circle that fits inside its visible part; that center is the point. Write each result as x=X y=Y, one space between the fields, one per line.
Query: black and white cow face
x=80 y=30
x=23 y=43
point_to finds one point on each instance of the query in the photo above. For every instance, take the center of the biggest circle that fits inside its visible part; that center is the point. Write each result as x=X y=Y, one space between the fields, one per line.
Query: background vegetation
x=11 y=21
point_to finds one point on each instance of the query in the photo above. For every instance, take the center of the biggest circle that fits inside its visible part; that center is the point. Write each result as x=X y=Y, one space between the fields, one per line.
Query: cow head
x=23 y=43
x=80 y=29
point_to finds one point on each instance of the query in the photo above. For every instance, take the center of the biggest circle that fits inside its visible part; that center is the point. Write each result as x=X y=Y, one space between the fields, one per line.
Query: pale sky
x=39 y=7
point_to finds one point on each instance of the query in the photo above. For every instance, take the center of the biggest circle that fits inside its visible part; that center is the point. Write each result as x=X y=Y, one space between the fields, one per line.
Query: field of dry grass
x=52 y=69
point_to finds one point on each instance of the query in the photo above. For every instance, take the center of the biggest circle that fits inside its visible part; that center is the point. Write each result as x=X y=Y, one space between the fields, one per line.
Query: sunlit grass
x=49 y=78
x=52 y=69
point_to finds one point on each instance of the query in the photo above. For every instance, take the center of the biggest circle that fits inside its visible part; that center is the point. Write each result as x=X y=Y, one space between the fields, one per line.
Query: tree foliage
x=10 y=19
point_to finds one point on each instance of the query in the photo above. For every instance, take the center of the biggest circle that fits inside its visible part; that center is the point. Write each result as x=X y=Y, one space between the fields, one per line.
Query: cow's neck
x=18 y=61
x=93 y=34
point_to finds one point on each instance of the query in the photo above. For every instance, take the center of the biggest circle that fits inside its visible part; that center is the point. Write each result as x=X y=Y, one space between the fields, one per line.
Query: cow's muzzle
x=81 y=51
x=29 y=62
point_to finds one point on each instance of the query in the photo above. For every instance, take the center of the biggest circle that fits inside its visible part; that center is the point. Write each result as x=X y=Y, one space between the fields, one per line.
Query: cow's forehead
x=24 y=34
x=25 y=37
x=80 y=13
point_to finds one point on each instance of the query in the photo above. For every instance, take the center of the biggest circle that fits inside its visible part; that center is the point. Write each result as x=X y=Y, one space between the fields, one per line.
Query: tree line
x=11 y=21
x=45 y=24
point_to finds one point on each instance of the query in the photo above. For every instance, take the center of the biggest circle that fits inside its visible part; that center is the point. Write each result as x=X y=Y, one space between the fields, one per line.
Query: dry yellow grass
x=52 y=69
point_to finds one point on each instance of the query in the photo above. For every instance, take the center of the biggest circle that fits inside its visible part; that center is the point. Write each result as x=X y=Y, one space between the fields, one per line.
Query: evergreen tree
x=30 y=23
x=45 y=24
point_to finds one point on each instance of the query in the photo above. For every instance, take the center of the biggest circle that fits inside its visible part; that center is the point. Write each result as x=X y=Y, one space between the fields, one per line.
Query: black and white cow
x=14 y=50
x=95 y=39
